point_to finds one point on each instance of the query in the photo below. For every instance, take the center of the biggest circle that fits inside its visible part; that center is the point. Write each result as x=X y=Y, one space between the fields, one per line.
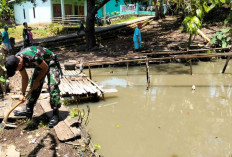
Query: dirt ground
x=164 y=34
x=35 y=139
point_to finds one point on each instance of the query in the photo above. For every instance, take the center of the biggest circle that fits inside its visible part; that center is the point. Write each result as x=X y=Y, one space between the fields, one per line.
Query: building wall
x=72 y=2
x=110 y=7
x=42 y=12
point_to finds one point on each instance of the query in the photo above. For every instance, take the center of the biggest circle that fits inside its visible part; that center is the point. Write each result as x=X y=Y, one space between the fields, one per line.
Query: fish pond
x=170 y=119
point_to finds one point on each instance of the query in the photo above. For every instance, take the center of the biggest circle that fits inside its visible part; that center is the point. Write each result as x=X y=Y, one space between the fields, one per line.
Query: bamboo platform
x=75 y=84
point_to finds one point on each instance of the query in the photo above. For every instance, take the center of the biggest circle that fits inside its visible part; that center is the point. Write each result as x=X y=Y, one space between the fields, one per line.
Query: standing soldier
x=45 y=63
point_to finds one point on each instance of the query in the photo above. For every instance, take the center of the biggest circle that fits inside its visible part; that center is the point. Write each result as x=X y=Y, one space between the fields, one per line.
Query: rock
x=193 y=87
x=30 y=136
x=33 y=140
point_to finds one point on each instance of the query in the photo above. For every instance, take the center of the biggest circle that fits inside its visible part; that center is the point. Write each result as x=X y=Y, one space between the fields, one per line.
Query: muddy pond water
x=168 y=120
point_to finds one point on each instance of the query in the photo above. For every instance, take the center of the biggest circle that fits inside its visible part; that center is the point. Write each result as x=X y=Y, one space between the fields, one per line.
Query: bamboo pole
x=127 y=66
x=191 y=70
x=227 y=61
x=165 y=58
x=147 y=73
x=90 y=76
x=203 y=35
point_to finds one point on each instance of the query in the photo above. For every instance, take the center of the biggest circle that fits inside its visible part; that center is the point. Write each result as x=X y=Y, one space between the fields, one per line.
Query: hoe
x=4 y=122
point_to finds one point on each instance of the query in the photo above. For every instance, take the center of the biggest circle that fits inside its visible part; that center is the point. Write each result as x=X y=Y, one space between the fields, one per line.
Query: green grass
x=43 y=31
x=17 y=32
x=124 y=20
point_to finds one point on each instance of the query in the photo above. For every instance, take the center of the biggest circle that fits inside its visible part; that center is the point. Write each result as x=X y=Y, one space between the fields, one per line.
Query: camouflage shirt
x=33 y=56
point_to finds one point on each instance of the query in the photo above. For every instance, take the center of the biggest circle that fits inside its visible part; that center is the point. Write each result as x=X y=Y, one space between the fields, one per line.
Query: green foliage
x=31 y=124
x=55 y=28
x=221 y=38
x=6 y=10
x=67 y=102
x=228 y=19
x=2 y=79
x=115 y=13
x=191 y=24
x=43 y=124
x=97 y=146
x=2 y=66
x=207 y=8
x=75 y=112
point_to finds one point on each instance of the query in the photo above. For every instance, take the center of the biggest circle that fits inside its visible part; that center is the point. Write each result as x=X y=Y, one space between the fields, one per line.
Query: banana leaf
x=208 y=8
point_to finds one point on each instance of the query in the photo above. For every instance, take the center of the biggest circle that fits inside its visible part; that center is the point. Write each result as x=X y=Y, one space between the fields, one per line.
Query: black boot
x=55 y=119
x=28 y=112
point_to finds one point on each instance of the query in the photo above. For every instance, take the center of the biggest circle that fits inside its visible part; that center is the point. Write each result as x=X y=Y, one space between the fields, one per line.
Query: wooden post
x=227 y=61
x=127 y=66
x=147 y=73
x=90 y=76
x=191 y=69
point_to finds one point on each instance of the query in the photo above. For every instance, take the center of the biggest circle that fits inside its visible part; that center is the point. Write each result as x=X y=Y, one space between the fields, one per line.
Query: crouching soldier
x=44 y=63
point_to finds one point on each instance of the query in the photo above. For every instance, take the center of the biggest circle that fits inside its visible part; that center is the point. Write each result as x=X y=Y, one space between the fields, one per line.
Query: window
x=24 y=13
x=34 y=12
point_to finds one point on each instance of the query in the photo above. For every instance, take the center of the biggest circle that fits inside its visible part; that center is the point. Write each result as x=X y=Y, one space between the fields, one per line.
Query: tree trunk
x=161 y=9
x=90 y=22
x=156 y=9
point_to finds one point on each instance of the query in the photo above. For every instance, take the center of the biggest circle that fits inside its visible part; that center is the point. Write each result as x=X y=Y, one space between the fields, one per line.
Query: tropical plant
x=191 y=24
x=196 y=10
x=228 y=19
x=221 y=38
x=6 y=10
x=2 y=67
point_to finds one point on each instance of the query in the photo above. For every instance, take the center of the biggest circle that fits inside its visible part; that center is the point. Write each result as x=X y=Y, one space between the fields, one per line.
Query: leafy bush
x=56 y=28
x=221 y=38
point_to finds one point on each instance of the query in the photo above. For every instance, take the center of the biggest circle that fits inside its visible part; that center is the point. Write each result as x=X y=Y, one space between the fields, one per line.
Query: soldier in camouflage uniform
x=45 y=63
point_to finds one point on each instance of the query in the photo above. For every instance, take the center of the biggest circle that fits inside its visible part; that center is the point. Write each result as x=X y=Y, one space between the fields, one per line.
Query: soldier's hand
x=22 y=98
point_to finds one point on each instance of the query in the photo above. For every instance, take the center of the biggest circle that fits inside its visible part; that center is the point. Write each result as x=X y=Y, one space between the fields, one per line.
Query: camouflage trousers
x=53 y=76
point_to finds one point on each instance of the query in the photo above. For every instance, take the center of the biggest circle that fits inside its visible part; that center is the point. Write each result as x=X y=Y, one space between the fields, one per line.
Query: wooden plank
x=70 y=122
x=63 y=132
x=65 y=129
